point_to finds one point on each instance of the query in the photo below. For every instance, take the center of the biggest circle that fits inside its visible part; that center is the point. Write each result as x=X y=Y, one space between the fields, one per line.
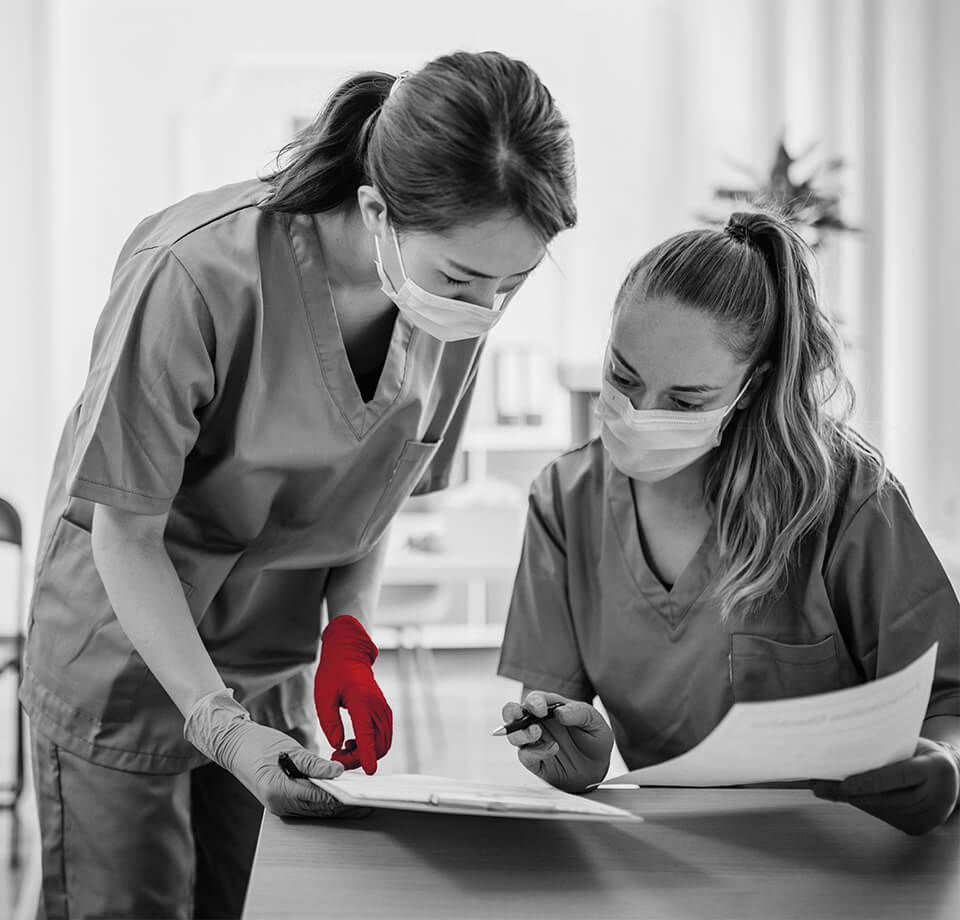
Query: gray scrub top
x=220 y=392
x=589 y=618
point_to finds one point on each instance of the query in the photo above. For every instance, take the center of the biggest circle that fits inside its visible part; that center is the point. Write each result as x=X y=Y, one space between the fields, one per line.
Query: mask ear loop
x=396 y=245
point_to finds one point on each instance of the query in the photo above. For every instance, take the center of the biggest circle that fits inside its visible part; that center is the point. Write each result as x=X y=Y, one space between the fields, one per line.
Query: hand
x=914 y=795
x=345 y=678
x=219 y=727
x=570 y=750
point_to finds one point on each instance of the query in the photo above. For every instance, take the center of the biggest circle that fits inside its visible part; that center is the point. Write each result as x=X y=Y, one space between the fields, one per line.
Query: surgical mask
x=653 y=444
x=442 y=317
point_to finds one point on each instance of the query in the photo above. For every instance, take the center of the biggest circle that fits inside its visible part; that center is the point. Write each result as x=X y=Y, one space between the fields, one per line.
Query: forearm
x=354 y=589
x=150 y=605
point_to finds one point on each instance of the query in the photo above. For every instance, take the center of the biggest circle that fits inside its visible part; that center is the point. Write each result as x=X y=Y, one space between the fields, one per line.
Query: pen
x=526 y=721
x=286 y=764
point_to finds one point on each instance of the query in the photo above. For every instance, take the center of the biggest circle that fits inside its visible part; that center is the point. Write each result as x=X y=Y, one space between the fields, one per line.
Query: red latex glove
x=345 y=678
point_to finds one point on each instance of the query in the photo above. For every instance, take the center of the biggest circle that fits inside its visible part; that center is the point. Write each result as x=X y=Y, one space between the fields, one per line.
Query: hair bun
x=737 y=231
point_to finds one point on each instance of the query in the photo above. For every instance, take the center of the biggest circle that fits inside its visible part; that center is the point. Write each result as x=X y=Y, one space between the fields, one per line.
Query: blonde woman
x=727 y=538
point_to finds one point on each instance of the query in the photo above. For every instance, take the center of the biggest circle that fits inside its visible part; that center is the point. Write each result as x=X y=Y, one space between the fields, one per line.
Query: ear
x=373 y=209
x=756 y=381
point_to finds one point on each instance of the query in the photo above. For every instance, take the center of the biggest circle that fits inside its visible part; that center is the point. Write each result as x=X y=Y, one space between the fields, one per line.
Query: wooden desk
x=766 y=854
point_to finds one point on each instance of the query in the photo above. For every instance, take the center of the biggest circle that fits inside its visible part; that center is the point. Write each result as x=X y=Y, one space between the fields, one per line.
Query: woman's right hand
x=219 y=727
x=570 y=750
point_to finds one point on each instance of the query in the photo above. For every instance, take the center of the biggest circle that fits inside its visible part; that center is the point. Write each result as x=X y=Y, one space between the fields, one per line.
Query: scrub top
x=220 y=392
x=589 y=617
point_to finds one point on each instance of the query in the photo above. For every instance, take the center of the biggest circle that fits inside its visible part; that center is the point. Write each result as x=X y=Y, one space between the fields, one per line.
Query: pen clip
x=285 y=762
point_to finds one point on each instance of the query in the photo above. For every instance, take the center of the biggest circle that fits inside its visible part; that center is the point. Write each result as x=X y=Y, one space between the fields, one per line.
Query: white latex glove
x=221 y=729
x=570 y=750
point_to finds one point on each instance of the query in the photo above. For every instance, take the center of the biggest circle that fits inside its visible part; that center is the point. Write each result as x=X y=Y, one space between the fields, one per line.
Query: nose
x=483 y=295
x=644 y=400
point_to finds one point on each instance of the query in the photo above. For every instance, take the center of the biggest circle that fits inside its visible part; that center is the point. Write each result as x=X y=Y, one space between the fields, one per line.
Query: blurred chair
x=11 y=652
x=403 y=611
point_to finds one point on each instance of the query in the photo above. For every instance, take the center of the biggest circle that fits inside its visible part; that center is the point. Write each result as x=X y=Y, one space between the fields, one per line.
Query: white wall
x=143 y=101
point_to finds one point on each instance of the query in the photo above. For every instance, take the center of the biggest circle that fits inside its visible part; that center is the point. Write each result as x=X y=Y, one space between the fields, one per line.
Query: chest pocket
x=765 y=669
x=413 y=461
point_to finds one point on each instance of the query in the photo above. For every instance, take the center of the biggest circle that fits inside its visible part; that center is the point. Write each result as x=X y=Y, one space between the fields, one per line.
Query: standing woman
x=279 y=365
x=727 y=538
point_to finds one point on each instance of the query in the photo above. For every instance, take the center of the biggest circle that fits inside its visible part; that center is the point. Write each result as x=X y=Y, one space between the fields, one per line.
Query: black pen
x=526 y=721
x=285 y=762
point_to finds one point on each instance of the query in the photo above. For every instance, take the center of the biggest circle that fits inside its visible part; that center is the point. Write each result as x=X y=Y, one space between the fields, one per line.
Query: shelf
x=518 y=437
x=449 y=636
x=405 y=567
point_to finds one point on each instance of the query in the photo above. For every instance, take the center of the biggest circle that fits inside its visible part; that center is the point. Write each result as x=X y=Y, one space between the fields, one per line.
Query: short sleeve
x=151 y=372
x=892 y=596
x=540 y=647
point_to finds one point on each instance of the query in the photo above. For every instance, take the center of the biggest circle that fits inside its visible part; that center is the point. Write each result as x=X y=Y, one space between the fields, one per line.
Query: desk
x=701 y=853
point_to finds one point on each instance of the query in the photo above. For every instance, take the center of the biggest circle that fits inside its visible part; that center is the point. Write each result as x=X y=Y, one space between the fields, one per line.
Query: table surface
x=700 y=853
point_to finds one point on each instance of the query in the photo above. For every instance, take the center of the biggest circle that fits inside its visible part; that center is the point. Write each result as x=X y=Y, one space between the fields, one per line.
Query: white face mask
x=442 y=317
x=653 y=444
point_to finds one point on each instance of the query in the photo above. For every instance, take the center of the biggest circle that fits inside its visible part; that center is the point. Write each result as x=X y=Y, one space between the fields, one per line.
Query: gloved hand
x=914 y=795
x=570 y=750
x=221 y=729
x=345 y=678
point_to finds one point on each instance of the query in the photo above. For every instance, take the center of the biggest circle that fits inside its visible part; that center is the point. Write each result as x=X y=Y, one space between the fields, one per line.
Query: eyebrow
x=475 y=274
x=695 y=388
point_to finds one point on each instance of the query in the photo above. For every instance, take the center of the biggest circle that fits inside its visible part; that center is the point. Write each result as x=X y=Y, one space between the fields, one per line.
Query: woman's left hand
x=914 y=795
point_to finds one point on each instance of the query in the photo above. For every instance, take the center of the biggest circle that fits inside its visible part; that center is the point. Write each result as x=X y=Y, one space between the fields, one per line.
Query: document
x=824 y=736
x=442 y=795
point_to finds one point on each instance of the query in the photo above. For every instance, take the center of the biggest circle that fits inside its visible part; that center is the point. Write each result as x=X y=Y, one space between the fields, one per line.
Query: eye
x=619 y=379
x=686 y=406
x=455 y=282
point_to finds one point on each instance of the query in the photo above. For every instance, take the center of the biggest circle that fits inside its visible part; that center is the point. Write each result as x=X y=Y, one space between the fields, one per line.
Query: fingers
x=330 y=722
x=534 y=756
x=311 y=765
x=300 y=798
x=366 y=746
x=536 y=701
x=891 y=778
x=576 y=714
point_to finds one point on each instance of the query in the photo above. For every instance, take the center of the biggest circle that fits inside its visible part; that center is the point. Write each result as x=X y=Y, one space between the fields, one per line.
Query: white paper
x=439 y=794
x=824 y=736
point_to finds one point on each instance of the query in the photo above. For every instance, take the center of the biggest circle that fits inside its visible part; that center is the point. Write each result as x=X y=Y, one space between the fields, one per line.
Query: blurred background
x=113 y=109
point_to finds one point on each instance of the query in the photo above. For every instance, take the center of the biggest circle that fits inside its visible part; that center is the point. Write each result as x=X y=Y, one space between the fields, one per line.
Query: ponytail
x=775 y=477
x=325 y=161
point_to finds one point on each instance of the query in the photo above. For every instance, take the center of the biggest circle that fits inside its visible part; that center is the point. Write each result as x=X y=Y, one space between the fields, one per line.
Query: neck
x=347 y=249
x=683 y=489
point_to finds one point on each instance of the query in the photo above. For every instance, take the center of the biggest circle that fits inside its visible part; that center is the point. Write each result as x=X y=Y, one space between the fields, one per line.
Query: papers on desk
x=441 y=795
x=825 y=736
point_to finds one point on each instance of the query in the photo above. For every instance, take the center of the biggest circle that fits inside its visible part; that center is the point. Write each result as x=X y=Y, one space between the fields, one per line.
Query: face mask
x=442 y=317
x=653 y=444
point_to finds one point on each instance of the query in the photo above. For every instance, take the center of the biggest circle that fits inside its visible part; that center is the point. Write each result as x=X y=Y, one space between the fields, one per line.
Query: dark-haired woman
x=728 y=537
x=279 y=365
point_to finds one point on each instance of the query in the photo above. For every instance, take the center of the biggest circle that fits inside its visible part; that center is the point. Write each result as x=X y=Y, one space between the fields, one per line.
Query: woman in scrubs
x=727 y=538
x=279 y=365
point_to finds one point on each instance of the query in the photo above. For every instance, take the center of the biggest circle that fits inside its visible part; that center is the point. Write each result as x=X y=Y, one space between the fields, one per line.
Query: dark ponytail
x=325 y=161
x=467 y=136
x=775 y=476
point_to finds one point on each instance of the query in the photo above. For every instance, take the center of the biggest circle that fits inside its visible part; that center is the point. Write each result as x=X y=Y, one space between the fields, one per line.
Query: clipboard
x=444 y=795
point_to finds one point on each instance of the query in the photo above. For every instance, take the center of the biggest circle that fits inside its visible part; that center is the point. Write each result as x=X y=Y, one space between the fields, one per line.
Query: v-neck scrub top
x=220 y=392
x=589 y=617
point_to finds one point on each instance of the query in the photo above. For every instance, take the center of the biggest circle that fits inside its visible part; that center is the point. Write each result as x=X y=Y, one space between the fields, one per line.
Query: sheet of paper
x=440 y=794
x=825 y=736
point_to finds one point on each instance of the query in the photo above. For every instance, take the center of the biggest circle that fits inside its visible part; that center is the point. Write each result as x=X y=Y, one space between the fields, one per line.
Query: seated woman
x=727 y=538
